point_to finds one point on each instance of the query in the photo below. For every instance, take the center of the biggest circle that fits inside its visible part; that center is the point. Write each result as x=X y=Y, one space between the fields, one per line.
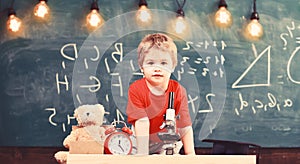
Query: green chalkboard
x=238 y=89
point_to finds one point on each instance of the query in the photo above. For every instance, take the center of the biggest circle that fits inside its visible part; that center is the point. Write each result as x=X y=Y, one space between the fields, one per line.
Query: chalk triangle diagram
x=266 y=82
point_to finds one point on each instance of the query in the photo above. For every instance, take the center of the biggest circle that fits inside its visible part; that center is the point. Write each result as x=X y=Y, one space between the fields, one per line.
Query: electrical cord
x=180 y=11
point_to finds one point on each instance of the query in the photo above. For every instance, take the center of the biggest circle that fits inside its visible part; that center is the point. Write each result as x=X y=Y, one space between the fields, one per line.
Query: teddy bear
x=89 y=128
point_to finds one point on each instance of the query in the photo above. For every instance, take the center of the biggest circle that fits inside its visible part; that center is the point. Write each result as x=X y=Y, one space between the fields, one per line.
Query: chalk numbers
x=70 y=53
x=199 y=64
x=194 y=65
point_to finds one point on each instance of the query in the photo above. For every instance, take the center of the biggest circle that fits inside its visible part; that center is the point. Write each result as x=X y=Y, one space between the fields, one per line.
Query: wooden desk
x=160 y=159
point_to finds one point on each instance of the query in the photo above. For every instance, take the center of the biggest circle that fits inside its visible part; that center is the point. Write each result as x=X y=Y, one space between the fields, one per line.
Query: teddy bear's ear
x=101 y=107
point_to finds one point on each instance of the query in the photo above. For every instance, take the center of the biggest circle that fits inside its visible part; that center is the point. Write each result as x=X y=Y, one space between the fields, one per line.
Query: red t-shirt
x=142 y=103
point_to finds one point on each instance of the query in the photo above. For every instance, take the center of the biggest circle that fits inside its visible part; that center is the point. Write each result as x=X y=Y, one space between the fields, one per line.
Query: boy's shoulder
x=175 y=85
x=138 y=84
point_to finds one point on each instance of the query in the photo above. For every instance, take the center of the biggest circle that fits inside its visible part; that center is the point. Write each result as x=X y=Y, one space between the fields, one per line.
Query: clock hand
x=121 y=147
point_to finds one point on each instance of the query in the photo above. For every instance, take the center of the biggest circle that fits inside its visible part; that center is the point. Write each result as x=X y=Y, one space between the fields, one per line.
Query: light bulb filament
x=180 y=25
x=254 y=30
x=14 y=23
x=223 y=17
x=144 y=14
x=94 y=19
x=41 y=9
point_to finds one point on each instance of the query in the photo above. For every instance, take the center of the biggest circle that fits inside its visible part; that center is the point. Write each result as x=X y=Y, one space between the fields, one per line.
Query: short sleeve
x=182 y=106
x=135 y=106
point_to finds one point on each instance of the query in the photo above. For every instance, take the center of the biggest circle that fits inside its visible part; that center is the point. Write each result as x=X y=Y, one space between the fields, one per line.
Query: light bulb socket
x=11 y=11
x=222 y=3
x=43 y=0
x=143 y=3
x=95 y=6
x=180 y=12
x=254 y=15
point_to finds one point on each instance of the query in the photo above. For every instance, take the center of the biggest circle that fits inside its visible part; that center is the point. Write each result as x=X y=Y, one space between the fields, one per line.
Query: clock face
x=118 y=143
x=134 y=145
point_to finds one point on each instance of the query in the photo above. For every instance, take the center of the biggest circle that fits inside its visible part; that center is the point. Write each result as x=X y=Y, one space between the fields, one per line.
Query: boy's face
x=157 y=67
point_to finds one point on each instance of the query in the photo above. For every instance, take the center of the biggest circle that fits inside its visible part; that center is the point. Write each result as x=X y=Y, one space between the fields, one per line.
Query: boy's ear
x=142 y=70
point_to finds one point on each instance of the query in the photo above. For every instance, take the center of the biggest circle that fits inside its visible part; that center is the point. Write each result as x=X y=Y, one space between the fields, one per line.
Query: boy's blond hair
x=159 y=41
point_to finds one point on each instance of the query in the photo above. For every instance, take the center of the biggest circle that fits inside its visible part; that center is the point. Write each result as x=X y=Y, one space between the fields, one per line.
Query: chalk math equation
x=196 y=68
x=63 y=81
x=291 y=36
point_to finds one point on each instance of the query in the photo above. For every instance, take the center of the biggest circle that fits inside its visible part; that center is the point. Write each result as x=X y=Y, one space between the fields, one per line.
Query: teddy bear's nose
x=87 y=114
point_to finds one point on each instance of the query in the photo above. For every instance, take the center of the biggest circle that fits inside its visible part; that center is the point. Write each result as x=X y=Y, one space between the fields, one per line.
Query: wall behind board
x=238 y=89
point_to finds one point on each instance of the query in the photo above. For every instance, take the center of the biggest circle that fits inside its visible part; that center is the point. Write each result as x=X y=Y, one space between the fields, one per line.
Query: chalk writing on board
x=204 y=44
x=281 y=128
x=96 y=58
x=78 y=99
x=199 y=60
x=191 y=101
x=120 y=116
x=52 y=122
x=119 y=52
x=283 y=36
x=290 y=33
x=209 y=104
x=289 y=66
x=96 y=83
x=271 y=104
x=268 y=74
x=204 y=71
x=59 y=82
x=51 y=116
x=62 y=82
x=36 y=74
x=119 y=84
x=93 y=87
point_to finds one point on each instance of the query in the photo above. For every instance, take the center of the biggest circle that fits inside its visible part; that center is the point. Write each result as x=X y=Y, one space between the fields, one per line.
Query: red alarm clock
x=118 y=140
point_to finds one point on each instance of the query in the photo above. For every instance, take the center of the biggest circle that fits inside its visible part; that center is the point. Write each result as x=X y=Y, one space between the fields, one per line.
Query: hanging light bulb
x=223 y=17
x=94 y=19
x=180 y=24
x=143 y=15
x=254 y=29
x=13 y=22
x=41 y=10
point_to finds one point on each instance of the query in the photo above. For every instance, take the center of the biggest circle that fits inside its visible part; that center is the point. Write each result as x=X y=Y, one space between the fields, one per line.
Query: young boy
x=148 y=97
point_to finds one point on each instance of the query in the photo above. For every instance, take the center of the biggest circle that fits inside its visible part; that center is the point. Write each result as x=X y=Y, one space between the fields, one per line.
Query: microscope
x=170 y=137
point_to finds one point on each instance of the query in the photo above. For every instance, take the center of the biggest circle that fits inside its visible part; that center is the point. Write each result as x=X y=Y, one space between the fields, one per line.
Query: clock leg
x=169 y=151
